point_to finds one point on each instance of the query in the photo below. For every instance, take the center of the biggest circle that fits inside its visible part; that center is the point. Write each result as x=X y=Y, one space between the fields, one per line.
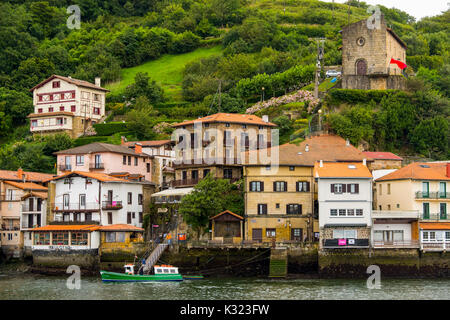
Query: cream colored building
x=281 y=197
x=66 y=105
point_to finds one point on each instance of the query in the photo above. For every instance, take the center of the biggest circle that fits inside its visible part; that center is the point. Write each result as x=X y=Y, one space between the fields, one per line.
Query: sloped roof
x=103 y=177
x=77 y=82
x=71 y=227
x=42 y=195
x=419 y=171
x=152 y=143
x=120 y=227
x=229 y=117
x=227 y=212
x=48 y=114
x=27 y=185
x=382 y=155
x=100 y=147
x=29 y=176
x=323 y=147
x=341 y=170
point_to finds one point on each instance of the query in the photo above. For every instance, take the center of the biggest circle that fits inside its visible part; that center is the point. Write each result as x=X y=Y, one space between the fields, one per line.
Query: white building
x=345 y=204
x=98 y=198
x=33 y=215
x=63 y=104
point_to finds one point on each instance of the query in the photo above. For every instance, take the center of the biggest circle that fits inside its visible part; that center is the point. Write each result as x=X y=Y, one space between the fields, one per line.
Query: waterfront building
x=416 y=192
x=227 y=227
x=127 y=239
x=33 y=214
x=383 y=160
x=213 y=144
x=106 y=158
x=434 y=236
x=66 y=105
x=162 y=156
x=345 y=204
x=14 y=185
x=281 y=197
x=97 y=198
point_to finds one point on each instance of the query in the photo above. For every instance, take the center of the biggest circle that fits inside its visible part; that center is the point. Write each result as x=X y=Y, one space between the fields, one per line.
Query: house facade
x=213 y=144
x=105 y=158
x=383 y=160
x=281 y=197
x=66 y=105
x=366 y=55
x=345 y=204
x=415 y=193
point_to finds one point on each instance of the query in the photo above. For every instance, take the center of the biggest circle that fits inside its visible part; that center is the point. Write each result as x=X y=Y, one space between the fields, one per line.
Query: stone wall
x=85 y=259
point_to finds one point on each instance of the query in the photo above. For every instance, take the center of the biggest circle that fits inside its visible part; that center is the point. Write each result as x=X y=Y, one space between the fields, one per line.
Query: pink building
x=106 y=158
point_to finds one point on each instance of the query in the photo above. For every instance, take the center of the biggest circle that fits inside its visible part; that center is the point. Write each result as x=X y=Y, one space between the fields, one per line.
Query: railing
x=65 y=167
x=75 y=206
x=35 y=208
x=192 y=182
x=153 y=258
x=112 y=205
x=97 y=165
x=185 y=162
x=396 y=244
x=27 y=225
x=435 y=246
x=435 y=216
x=58 y=218
x=432 y=195
x=389 y=214
x=5 y=197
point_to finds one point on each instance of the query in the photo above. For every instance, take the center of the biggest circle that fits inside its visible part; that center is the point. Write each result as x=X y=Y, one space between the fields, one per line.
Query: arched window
x=361 y=67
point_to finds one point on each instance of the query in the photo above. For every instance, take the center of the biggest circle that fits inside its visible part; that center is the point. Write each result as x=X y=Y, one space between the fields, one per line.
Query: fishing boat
x=192 y=277
x=161 y=273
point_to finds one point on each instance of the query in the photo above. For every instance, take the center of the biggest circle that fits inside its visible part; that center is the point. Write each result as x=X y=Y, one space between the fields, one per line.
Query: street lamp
x=262 y=94
x=320 y=124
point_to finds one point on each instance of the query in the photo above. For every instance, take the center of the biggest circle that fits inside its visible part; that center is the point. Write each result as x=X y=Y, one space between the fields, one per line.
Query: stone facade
x=366 y=56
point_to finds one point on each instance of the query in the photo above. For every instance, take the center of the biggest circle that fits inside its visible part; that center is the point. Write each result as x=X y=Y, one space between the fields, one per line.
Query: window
x=51 y=97
x=73 y=95
x=350 y=212
x=244 y=126
x=129 y=217
x=333 y=212
x=42 y=238
x=124 y=159
x=262 y=208
x=302 y=186
x=359 y=212
x=337 y=188
x=79 y=239
x=194 y=174
x=56 y=84
x=271 y=233
x=62 y=96
x=140 y=199
x=80 y=160
x=280 y=186
x=256 y=186
x=227 y=173
x=61 y=108
x=110 y=218
x=10 y=194
x=344 y=234
x=342 y=212
x=50 y=109
x=96 y=110
x=40 y=110
x=129 y=160
x=136 y=161
x=40 y=98
x=148 y=167
x=60 y=238
x=294 y=209
x=133 y=215
x=59 y=121
x=130 y=198
x=353 y=188
x=206 y=172
x=380 y=189
x=96 y=97
x=388 y=188
x=227 y=125
x=34 y=123
x=73 y=108
x=140 y=217
x=291 y=168
x=277 y=206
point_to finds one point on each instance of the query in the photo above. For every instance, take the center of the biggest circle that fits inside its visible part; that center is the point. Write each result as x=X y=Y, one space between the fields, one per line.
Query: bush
x=107 y=129
x=86 y=140
x=353 y=96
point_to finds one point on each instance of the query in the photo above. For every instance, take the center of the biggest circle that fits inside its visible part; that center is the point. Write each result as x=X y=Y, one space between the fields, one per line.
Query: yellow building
x=281 y=197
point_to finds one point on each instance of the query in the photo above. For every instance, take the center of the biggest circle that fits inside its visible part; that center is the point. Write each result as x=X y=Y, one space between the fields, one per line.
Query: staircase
x=278 y=263
x=154 y=257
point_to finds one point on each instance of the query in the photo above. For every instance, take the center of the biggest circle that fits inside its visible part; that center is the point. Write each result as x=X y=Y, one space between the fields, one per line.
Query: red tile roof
x=29 y=176
x=42 y=195
x=120 y=227
x=229 y=117
x=97 y=147
x=77 y=82
x=227 y=212
x=50 y=114
x=382 y=155
x=341 y=170
x=62 y=227
x=27 y=185
x=419 y=171
x=98 y=176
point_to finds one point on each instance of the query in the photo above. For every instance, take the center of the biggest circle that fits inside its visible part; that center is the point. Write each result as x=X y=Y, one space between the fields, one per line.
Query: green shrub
x=86 y=140
x=353 y=96
x=107 y=129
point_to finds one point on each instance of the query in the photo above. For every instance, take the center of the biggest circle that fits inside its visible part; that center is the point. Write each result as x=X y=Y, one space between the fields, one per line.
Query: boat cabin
x=165 y=269
x=129 y=268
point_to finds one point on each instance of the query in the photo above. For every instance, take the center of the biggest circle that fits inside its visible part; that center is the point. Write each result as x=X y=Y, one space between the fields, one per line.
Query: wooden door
x=361 y=68
x=257 y=234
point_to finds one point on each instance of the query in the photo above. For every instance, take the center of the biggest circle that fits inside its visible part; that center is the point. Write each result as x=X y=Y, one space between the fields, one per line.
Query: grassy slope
x=167 y=71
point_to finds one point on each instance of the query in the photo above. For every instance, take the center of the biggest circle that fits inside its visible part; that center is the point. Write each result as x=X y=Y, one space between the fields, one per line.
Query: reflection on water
x=45 y=287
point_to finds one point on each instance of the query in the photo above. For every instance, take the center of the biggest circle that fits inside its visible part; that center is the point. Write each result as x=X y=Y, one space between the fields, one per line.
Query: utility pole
x=220 y=95
x=320 y=53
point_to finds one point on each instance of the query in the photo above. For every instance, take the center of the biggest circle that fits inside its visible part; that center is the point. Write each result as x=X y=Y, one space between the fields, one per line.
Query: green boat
x=161 y=273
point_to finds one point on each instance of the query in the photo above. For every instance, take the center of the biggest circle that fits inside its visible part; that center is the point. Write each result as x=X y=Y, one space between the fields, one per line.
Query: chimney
x=307 y=147
x=364 y=162
x=265 y=118
x=123 y=140
x=321 y=164
x=448 y=169
x=138 y=148
x=347 y=142
x=20 y=173
x=98 y=81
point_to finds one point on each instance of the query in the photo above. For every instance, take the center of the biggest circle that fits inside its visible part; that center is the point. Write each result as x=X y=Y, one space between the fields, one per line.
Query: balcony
x=389 y=214
x=432 y=195
x=8 y=197
x=71 y=207
x=188 y=163
x=193 y=182
x=112 y=205
x=435 y=245
x=28 y=225
x=79 y=219
x=396 y=244
x=35 y=208
x=65 y=167
x=442 y=216
x=96 y=166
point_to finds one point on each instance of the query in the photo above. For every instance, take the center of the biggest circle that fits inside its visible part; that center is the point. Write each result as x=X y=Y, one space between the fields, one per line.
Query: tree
x=141 y=119
x=143 y=86
x=209 y=197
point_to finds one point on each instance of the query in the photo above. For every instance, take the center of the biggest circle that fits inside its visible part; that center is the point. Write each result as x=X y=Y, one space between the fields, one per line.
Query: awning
x=357 y=225
x=173 y=192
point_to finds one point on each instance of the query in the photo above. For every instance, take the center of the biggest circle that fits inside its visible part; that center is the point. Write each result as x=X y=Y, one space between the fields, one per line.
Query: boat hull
x=108 y=276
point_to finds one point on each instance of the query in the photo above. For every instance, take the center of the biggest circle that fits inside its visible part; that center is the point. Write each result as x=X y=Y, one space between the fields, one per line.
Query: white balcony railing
x=390 y=214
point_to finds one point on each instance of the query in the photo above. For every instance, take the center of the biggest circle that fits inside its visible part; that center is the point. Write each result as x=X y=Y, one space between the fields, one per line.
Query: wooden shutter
x=300 y=208
x=332 y=188
x=357 y=188
x=287 y=209
x=262 y=185
x=285 y=186
x=265 y=208
x=297 y=186
x=344 y=188
x=307 y=186
x=274 y=186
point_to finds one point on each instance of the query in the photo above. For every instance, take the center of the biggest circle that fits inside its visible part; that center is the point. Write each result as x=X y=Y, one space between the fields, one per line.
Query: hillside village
x=224 y=180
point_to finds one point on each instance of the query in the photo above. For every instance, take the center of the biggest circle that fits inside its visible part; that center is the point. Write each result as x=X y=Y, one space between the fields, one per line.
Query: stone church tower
x=366 y=55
